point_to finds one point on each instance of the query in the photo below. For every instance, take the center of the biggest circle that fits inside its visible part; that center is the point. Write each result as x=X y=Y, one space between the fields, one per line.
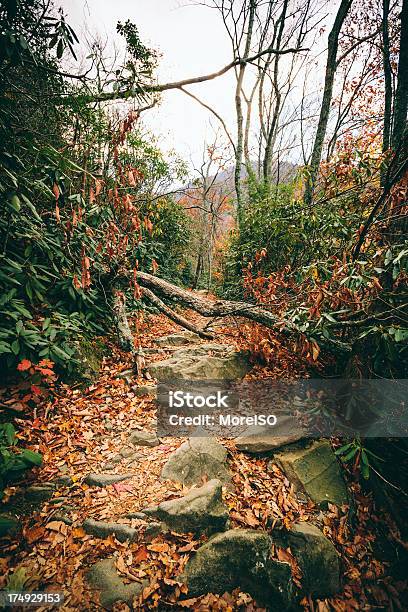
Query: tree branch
x=214 y=112
x=171 y=314
x=139 y=90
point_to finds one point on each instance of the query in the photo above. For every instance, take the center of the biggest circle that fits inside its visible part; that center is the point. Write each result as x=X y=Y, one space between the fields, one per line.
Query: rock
x=145 y=390
x=203 y=350
x=63 y=518
x=136 y=515
x=108 y=466
x=126 y=452
x=196 y=459
x=9 y=525
x=240 y=558
x=88 y=359
x=153 y=351
x=200 y=511
x=318 y=559
x=143 y=438
x=64 y=481
x=265 y=439
x=39 y=493
x=104 y=577
x=104 y=480
x=154 y=529
x=196 y=364
x=315 y=470
x=186 y=337
x=102 y=529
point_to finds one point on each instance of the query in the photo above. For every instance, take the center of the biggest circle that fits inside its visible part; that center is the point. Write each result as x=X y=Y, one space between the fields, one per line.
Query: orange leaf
x=155 y=265
x=58 y=526
x=141 y=555
x=34 y=534
x=78 y=532
x=25 y=364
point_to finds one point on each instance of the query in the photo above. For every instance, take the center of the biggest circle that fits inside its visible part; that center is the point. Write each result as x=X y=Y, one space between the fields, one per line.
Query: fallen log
x=225 y=308
x=220 y=308
x=174 y=316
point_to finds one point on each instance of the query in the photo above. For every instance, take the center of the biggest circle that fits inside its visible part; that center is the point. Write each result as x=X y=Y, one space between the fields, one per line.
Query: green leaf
x=32 y=457
x=14 y=203
x=350 y=455
x=62 y=354
x=15 y=347
x=364 y=458
x=29 y=291
x=343 y=449
x=365 y=471
x=10 y=433
x=4 y=347
x=17 y=580
x=31 y=207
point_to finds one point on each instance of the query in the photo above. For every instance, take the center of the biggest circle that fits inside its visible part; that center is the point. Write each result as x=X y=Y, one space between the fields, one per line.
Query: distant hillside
x=287 y=171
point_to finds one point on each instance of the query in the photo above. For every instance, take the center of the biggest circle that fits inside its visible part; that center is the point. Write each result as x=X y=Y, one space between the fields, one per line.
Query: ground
x=85 y=428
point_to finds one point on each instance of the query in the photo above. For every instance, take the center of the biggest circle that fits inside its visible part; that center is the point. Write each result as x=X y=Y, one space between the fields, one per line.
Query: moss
x=88 y=357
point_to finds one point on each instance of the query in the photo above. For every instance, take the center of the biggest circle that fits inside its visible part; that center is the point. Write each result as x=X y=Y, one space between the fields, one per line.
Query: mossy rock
x=88 y=357
x=315 y=470
x=240 y=558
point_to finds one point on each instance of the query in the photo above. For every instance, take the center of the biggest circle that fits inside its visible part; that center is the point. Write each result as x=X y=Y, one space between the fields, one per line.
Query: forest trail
x=78 y=524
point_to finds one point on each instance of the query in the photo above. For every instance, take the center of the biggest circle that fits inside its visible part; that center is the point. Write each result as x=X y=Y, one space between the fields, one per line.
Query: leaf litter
x=82 y=430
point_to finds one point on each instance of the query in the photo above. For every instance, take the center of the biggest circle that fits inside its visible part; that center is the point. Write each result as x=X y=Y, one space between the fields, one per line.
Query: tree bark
x=331 y=66
x=387 y=77
x=125 y=337
x=239 y=150
x=270 y=141
x=401 y=94
x=174 y=316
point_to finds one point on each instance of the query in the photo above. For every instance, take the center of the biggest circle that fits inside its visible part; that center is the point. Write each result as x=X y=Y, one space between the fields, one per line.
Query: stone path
x=231 y=558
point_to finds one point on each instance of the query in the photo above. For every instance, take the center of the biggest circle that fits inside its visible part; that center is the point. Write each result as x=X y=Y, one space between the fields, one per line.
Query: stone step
x=200 y=511
x=102 y=529
x=195 y=460
x=104 y=577
x=315 y=470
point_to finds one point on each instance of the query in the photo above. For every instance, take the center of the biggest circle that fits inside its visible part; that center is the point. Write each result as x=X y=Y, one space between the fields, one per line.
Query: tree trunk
x=387 y=77
x=270 y=141
x=198 y=269
x=401 y=95
x=331 y=66
x=125 y=337
x=239 y=150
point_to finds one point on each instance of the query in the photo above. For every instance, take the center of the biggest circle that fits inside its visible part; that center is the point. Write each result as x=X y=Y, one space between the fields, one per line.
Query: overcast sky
x=192 y=41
